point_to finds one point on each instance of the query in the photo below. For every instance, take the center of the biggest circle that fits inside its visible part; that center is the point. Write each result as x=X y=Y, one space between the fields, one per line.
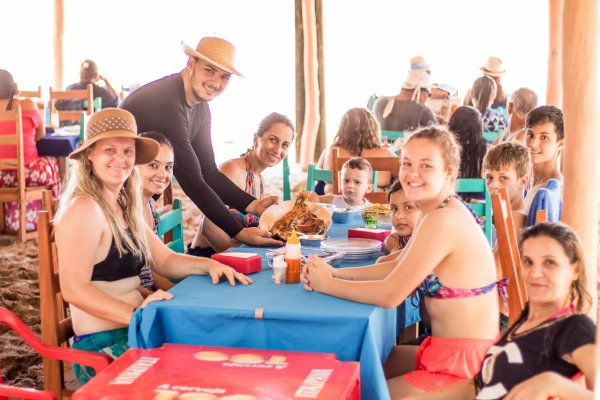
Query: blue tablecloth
x=293 y=319
x=57 y=146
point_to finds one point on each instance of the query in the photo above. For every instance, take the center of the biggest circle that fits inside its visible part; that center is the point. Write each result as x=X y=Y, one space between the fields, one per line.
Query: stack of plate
x=353 y=248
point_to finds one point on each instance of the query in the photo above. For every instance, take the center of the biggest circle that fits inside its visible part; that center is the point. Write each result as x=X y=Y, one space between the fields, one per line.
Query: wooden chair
x=483 y=209
x=508 y=252
x=171 y=221
x=72 y=115
x=56 y=324
x=98 y=361
x=541 y=216
x=20 y=193
x=381 y=164
x=31 y=93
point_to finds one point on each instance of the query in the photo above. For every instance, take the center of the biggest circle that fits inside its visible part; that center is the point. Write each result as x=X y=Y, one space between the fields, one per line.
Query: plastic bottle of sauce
x=292 y=259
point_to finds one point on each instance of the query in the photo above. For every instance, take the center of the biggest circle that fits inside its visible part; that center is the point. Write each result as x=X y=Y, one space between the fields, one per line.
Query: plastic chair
x=20 y=193
x=171 y=221
x=490 y=136
x=72 y=115
x=371 y=102
x=508 y=251
x=475 y=185
x=98 y=361
x=317 y=174
x=287 y=191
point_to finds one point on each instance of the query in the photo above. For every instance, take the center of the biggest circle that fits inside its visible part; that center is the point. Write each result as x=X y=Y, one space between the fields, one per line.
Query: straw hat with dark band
x=216 y=51
x=493 y=67
x=117 y=123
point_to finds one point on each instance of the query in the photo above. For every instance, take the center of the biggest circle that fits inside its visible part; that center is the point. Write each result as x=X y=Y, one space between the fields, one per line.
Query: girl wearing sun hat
x=103 y=240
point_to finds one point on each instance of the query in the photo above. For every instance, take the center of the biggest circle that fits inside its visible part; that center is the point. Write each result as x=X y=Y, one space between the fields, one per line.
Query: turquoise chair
x=490 y=136
x=371 y=102
x=392 y=136
x=287 y=192
x=316 y=174
x=172 y=221
x=475 y=185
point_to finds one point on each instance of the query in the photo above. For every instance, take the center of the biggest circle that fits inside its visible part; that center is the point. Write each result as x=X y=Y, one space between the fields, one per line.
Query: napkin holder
x=369 y=233
x=246 y=263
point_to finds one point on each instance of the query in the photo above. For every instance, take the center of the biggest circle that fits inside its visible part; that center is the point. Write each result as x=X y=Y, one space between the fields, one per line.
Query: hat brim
x=146 y=149
x=495 y=74
x=191 y=52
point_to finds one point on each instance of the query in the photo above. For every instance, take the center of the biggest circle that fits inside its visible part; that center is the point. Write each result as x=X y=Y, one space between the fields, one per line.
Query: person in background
x=545 y=141
x=39 y=170
x=464 y=321
x=407 y=110
x=357 y=176
x=177 y=106
x=419 y=63
x=88 y=73
x=358 y=136
x=484 y=92
x=270 y=145
x=522 y=101
x=467 y=127
x=103 y=241
x=507 y=165
x=404 y=215
x=552 y=340
x=156 y=176
x=493 y=69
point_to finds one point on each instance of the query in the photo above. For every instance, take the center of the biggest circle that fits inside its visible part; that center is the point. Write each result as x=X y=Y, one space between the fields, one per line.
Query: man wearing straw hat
x=493 y=68
x=177 y=106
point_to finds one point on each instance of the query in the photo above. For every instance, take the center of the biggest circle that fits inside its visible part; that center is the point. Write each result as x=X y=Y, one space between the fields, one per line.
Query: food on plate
x=300 y=219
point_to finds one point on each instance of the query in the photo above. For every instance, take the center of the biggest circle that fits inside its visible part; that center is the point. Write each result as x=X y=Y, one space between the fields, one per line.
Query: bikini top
x=250 y=181
x=432 y=287
x=114 y=268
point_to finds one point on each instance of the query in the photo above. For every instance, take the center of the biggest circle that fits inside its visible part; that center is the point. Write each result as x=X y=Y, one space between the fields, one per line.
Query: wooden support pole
x=311 y=85
x=582 y=127
x=554 y=85
x=58 y=44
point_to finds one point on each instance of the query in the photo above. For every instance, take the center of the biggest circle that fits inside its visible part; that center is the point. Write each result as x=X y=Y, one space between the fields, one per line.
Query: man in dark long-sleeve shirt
x=176 y=106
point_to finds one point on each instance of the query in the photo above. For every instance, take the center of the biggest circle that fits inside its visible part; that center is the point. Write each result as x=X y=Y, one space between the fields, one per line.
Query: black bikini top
x=114 y=268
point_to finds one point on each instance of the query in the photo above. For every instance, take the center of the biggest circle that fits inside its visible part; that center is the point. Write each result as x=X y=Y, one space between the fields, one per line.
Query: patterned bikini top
x=250 y=189
x=432 y=287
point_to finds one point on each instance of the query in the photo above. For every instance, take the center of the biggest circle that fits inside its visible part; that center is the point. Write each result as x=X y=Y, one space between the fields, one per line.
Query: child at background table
x=552 y=339
x=156 y=176
x=404 y=215
x=357 y=176
x=464 y=321
x=507 y=165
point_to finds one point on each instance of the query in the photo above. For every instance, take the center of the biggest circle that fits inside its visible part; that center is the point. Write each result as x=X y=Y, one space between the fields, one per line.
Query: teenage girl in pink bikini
x=447 y=251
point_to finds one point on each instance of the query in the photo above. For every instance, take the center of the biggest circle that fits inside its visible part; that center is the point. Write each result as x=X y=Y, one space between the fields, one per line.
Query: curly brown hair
x=359 y=130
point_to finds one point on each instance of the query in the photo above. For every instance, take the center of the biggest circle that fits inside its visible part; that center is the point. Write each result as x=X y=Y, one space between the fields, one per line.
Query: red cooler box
x=369 y=233
x=246 y=263
x=178 y=372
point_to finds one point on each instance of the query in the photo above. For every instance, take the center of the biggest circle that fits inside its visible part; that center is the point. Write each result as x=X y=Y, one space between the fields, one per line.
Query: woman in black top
x=552 y=340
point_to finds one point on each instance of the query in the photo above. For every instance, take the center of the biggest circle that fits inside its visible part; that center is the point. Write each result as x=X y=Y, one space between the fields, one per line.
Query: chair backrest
x=316 y=174
x=371 y=102
x=392 y=136
x=98 y=361
x=377 y=197
x=490 y=136
x=379 y=164
x=508 y=252
x=484 y=209
x=56 y=324
x=86 y=94
x=31 y=93
x=287 y=191
x=172 y=221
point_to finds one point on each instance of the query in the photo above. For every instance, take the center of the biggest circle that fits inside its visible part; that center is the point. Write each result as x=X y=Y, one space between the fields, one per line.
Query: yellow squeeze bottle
x=292 y=259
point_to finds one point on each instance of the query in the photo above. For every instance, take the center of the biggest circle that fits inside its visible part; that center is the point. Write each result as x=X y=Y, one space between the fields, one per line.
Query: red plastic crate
x=246 y=263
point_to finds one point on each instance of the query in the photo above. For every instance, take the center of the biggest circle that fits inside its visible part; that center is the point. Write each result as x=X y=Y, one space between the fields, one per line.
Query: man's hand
x=257 y=237
x=257 y=207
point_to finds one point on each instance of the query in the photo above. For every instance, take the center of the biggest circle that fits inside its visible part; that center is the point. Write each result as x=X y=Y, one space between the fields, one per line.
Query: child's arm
x=315 y=198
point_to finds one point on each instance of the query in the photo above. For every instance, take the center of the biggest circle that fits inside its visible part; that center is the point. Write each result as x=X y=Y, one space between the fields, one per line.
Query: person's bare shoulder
x=27 y=104
x=235 y=170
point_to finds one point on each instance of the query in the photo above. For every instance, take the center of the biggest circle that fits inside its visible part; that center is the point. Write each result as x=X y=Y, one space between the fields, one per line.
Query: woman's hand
x=156 y=296
x=257 y=207
x=217 y=271
x=316 y=273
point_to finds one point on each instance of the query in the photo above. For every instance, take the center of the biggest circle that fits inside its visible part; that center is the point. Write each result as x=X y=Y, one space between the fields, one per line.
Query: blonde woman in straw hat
x=103 y=240
x=177 y=106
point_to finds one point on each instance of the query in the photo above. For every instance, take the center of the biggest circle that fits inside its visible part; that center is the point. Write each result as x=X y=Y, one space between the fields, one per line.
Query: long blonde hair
x=83 y=182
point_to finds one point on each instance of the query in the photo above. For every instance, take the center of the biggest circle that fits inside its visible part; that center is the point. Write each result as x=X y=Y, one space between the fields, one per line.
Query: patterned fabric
x=494 y=121
x=146 y=274
x=247 y=219
x=41 y=172
x=113 y=343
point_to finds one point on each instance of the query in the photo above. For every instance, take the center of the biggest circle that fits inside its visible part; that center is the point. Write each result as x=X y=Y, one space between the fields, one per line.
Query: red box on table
x=369 y=233
x=177 y=371
x=246 y=263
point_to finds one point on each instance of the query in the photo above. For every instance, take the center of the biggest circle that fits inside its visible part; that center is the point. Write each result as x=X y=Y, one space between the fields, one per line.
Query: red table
x=177 y=371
